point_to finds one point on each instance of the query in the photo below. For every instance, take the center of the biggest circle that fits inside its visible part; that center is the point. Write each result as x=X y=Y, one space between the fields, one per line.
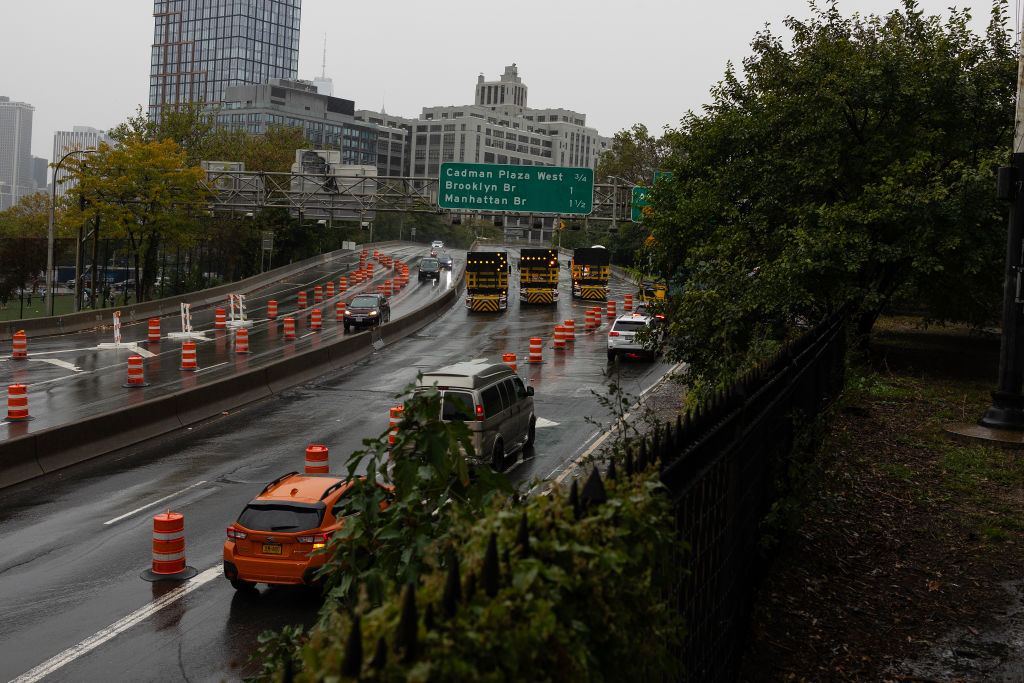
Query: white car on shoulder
x=622 y=337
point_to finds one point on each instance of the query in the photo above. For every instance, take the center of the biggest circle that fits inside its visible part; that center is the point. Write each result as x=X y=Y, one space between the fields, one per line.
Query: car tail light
x=236 y=534
x=480 y=413
x=318 y=540
x=613 y=334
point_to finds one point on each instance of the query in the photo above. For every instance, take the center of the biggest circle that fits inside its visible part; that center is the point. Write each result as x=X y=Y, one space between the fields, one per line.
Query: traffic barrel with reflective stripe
x=316 y=320
x=316 y=459
x=342 y=284
x=559 y=342
x=188 y=356
x=627 y=303
x=318 y=294
x=241 y=340
x=388 y=291
x=570 y=330
x=220 y=320
x=395 y=418
x=302 y=298
x=369 y=270
x=339 y=311
x=330 y=290
x=17 y=403
x=589 y=322
x=611 y=308
x=19 y=348
x=136 y=378
x=509 y=359
x=154 y=331
x=169 y=549
x=289 y=329
x=272 y=308
x=536 y=352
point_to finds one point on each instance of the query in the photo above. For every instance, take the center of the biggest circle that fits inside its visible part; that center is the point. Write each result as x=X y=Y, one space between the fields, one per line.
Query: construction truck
x=590 y=273
x=538 y=276
x=652 y=291
x=487 y=281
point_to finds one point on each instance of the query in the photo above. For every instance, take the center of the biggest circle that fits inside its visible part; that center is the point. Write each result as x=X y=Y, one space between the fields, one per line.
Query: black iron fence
x=721 y=466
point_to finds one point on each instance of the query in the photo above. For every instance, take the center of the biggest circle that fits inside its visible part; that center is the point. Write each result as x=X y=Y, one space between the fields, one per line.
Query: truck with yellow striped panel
x=590 y=273
x=487 y=281
x=538 y=276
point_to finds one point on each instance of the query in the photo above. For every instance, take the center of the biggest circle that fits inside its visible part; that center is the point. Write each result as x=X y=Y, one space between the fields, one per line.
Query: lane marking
x=118 y=627
x=541 y=423
x=60 y=364
x=155 y=502
x=211 y=367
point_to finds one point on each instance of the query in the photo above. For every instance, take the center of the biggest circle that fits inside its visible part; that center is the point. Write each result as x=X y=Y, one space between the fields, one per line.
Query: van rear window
x=457 y=405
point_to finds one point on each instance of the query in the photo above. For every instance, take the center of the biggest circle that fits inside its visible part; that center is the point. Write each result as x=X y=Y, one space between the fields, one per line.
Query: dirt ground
x=903 y=561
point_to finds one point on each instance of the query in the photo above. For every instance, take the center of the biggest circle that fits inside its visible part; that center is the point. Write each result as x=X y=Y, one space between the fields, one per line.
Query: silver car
x=622 y=337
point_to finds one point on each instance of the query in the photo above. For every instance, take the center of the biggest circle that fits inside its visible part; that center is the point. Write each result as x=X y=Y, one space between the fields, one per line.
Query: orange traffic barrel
x=302 y=298
x=154 y=331
x=316 y=320
x=135 y=374
x=339 y=311
x=241 y=340
x=627 y=304
x=369 y=270
x=289 y=329
x=559 y=337
x=570 y=330
x=220 y=320
x=589 y=322
x=342 y=284
x=272 y=308
x=509 y=359
x=536 y=352
x=20 y=346
x=388 y=291
x=318 y=294
x=17 y=403
x=330 y=289
x=395 y=418
x=611 y=308
x=316 y=459
x=188 y=356
x=380 y=289
x=169 y=549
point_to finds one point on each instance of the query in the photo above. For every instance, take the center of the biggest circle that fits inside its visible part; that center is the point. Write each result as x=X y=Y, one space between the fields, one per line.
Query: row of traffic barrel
x=17 y=394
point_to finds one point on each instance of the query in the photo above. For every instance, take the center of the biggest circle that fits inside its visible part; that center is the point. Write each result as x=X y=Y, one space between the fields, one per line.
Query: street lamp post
x=49 y=235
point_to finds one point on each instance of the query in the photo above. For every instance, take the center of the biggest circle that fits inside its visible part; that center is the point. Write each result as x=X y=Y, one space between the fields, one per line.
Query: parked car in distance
x=276 y=538
x=429 y=268
x=622 y=337
x=445 y=260
x=493 y=402
x=366 y=310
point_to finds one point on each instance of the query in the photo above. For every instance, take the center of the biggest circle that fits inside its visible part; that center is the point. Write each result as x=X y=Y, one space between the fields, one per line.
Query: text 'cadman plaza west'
x=530 y=189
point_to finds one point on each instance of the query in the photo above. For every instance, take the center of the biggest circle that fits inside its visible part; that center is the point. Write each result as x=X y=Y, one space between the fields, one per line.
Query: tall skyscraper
x=15 y=152
x=200 y=47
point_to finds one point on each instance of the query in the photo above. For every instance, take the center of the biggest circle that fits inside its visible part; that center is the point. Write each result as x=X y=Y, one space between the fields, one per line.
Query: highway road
x=75 y=542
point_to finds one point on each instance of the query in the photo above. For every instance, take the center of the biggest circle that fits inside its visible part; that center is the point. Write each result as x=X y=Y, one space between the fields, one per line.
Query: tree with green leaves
x=852 y=170
x=142 y=191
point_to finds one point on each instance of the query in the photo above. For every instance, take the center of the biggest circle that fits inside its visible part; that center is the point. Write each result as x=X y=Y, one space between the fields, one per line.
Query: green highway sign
x=640 y=202
x=530 y=189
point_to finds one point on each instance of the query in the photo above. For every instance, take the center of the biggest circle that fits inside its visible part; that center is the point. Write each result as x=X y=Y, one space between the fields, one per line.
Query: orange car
x=275 y=536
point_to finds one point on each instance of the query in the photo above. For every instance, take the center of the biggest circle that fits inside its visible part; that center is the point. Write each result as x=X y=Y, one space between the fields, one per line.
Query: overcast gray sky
x=620 y=63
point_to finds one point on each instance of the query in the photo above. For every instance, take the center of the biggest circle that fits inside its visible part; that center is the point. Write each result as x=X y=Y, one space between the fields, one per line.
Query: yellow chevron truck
x=487 y=281
x=590 y=273
x=538 y=276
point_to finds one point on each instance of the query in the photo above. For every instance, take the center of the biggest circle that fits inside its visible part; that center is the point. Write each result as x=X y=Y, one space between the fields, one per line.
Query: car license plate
x=271 y=548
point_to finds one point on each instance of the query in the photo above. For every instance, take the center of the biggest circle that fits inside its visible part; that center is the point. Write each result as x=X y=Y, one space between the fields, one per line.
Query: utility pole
x=1007 y=409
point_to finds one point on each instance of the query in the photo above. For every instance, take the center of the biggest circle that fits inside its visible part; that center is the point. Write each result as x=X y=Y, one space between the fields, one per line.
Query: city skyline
x=648 y=64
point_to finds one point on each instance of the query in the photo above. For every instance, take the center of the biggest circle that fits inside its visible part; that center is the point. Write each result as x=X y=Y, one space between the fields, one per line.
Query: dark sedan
x=367 y=310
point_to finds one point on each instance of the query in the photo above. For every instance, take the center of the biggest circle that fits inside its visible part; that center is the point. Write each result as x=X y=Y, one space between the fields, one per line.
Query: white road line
x=118 y=627
x=59 y=363
x=211 y=367
x=155 y=502
x=586 y=454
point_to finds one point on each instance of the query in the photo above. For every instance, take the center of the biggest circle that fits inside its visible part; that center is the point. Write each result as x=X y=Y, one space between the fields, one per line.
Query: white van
x=493 y=402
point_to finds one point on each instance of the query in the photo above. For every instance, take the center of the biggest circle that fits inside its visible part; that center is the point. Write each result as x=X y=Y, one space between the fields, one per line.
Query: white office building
x=79 y=137
x=16 y=178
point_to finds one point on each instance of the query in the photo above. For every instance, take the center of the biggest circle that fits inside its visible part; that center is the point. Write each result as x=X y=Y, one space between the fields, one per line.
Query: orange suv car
x=276 y=535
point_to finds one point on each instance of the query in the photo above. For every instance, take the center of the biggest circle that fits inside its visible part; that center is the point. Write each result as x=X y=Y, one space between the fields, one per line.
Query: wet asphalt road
x=76 y=542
